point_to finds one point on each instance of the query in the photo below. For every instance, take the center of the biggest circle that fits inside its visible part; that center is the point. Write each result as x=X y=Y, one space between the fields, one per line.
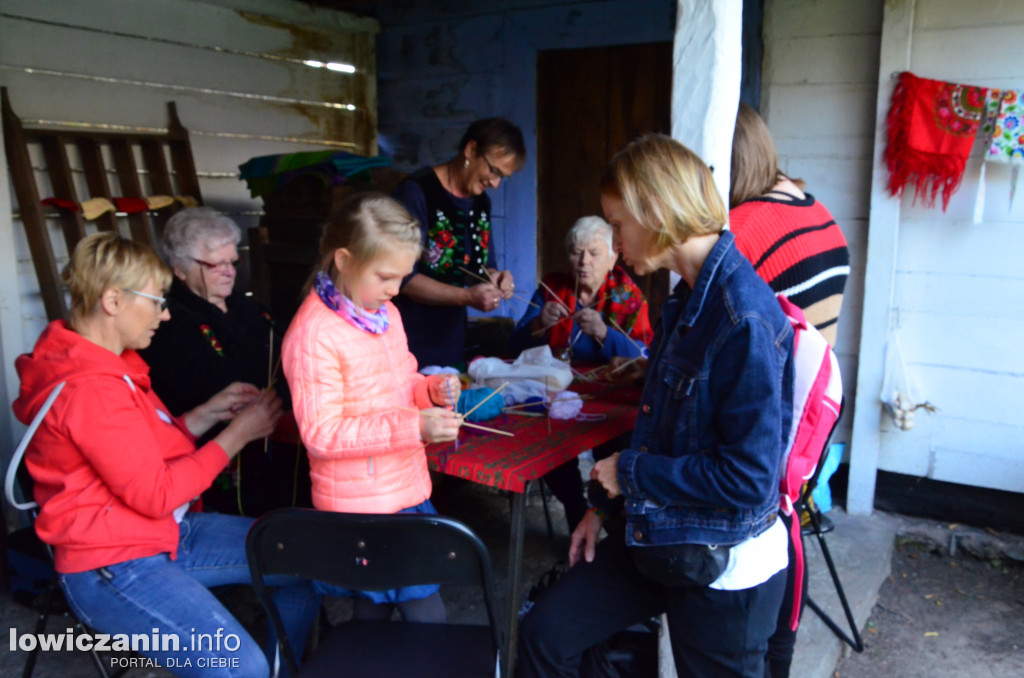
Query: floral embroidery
x=448 y=243
x=959 y=109
x=1004 y=109
x=211 y=337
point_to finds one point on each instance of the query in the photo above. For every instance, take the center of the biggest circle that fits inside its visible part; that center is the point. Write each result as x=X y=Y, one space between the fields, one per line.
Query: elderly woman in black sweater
x=218 y=335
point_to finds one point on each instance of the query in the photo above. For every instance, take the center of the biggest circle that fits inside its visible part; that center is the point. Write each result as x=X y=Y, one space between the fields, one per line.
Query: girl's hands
x=438 y=425
x=444 y=389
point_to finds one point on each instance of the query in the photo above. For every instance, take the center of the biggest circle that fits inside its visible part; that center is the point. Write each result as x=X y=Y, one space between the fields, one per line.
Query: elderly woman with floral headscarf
x=594 y=313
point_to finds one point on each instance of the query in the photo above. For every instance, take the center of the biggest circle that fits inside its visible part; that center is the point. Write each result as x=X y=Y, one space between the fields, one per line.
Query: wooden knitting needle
x=473 y=409
x=556 y=298
x=628 y=362
x=491 y=282
x=464 y=423
x=636 y=343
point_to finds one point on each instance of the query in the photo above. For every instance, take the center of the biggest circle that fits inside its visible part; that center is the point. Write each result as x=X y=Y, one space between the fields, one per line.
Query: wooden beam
x=131 y=187
x=96 y=178
x=31 y=211
x=880 y=271
x=56 y=153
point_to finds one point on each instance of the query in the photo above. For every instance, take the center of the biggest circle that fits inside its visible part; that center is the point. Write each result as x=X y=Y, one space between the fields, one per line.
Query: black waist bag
x=681 y=564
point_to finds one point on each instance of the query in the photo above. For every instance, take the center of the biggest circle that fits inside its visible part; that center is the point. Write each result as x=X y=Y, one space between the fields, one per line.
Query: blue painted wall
x=442 y=65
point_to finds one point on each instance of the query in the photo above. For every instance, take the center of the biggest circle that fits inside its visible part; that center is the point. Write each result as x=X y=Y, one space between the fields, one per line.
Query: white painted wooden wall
x=234 y=69
x=818 y=98
x=957 y=289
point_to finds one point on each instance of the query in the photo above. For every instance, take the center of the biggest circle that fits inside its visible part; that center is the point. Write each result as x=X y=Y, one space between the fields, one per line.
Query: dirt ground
x=942 y=616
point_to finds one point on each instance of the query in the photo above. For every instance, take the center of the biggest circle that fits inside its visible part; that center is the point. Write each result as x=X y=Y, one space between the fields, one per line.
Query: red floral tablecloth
x=509 y=463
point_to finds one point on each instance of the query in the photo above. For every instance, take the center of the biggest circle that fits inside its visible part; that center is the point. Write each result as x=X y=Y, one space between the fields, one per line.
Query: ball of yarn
x=535 y=404
x=489 y=410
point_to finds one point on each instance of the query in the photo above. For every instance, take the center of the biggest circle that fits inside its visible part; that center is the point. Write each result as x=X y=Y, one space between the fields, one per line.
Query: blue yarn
x=489 y=410
x=536 y=404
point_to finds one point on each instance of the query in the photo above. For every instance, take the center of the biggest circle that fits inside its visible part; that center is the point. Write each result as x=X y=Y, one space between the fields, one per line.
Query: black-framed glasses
x=495 y=172
x=162 y=301
x=221 y=265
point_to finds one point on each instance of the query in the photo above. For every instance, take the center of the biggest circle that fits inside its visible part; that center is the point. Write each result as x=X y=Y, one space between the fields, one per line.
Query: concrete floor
x=861 y=547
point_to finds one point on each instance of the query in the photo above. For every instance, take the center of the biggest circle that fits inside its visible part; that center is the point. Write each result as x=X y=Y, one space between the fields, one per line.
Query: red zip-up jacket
x=110 y=465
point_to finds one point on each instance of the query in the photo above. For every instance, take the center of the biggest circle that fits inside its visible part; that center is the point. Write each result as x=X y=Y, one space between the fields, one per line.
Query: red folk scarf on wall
x=931 y=127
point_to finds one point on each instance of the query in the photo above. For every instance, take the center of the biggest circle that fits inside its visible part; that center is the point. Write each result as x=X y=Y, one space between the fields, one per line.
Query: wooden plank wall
x=234 y=70
x=959 y=289
x=818 y=98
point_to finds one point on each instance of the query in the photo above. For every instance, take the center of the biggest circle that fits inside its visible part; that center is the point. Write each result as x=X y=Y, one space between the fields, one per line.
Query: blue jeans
x=164 y=596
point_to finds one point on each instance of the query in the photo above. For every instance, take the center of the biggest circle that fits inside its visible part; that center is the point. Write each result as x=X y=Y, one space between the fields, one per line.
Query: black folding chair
x=51 y=600
x=376 y=553
x=819 y=525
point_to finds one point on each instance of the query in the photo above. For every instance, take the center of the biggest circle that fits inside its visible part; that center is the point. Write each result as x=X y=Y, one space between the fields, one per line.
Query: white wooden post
x=10 y=323
x=705 y=95
x=880 y=271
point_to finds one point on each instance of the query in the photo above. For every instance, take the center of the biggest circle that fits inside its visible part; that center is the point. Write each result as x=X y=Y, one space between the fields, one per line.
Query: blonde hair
x=667 y=188
x=755 y=162
x=365 y=224
x=104 y=260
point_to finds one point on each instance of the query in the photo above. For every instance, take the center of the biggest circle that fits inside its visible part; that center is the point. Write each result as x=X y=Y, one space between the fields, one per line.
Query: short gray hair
x=587 y=228
x=191 y=228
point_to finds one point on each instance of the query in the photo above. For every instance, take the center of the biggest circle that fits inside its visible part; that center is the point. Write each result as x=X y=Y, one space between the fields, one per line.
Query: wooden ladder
x=125 y=148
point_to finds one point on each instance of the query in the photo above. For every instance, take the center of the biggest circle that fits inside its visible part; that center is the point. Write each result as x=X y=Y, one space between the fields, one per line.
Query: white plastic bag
x=901 y=393
x=535 y=363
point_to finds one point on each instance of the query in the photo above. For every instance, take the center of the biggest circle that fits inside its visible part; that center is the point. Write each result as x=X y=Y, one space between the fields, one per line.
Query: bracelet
x=596 y=511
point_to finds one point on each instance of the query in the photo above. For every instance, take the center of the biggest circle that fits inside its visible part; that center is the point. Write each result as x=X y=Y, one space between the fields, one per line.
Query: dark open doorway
x=590 y=103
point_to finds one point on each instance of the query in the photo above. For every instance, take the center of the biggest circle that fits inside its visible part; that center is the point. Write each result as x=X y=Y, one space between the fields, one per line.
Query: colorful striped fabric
x=797 y=248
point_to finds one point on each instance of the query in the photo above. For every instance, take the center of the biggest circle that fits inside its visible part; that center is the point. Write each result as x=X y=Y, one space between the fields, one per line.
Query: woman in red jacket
x=115 y=474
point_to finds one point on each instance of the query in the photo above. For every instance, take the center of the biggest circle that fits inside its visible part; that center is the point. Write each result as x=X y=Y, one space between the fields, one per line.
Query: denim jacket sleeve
x=736 y=459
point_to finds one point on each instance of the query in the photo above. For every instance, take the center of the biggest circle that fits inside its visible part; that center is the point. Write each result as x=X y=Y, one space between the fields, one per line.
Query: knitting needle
x=496 y=391
x=556 y=298
x=636 y=343
x=455 y=407
x=491 y=282
x=628 y=362
x=521 y=406
x=465 y=423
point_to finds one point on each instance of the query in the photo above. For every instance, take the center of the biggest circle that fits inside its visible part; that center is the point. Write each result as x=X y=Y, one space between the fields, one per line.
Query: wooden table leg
x=515 y=567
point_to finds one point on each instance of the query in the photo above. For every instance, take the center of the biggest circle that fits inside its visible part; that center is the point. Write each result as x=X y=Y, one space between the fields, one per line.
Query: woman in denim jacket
x=704 y=462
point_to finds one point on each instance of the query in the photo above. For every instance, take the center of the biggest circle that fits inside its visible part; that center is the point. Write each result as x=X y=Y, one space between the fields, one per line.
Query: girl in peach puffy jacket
x=355 y=388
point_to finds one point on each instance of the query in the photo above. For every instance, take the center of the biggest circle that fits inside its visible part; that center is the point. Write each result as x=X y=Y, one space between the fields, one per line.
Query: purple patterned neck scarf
x=374 y=322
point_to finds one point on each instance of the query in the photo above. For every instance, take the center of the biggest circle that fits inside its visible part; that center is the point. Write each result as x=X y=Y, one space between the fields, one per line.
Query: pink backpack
x=817 y=398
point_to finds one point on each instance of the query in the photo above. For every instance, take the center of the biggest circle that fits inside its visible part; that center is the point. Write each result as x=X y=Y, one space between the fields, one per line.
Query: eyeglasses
x=221 y=265
x=495 y=172
x=161 y=300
